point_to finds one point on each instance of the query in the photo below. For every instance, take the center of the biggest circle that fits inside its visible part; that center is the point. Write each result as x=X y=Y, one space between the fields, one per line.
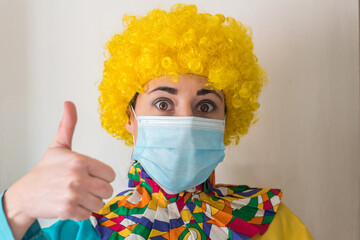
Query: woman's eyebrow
x=165 y=89
x=203 y=91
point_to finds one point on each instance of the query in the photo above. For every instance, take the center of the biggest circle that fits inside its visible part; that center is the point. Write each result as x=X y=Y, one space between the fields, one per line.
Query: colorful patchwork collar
x=207 y=211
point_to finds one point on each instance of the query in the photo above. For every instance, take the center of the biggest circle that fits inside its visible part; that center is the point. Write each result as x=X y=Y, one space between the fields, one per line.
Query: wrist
x=16 y=215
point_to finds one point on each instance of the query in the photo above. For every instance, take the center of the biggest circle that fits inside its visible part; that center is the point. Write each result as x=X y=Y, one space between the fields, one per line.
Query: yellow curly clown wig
x=181 y=41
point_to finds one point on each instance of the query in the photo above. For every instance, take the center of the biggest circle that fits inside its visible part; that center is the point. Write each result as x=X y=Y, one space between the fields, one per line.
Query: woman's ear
x=130 y=125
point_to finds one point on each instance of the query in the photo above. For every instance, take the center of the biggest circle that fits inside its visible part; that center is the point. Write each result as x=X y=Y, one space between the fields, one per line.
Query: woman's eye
x=163 y=105
x=205 y=107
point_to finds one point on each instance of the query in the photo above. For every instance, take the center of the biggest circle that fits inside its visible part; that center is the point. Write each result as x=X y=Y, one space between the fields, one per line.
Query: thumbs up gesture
x=64 y=184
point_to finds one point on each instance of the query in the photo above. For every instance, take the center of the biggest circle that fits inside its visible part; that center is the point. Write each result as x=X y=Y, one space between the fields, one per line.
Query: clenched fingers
x=98 y=187
x=91 y=203
x=100 y=170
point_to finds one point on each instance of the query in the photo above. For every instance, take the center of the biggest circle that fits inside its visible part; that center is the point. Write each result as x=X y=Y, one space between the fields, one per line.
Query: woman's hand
x=64 y=184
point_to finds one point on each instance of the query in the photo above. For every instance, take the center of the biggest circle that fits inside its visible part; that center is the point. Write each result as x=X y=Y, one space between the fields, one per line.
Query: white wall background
x=306 y=142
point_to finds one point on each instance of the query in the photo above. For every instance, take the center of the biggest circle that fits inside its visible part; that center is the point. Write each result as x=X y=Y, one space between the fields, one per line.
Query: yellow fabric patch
x=186 y=215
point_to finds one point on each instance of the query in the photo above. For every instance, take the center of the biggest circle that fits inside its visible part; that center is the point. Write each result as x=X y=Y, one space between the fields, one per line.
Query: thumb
x=66 y=128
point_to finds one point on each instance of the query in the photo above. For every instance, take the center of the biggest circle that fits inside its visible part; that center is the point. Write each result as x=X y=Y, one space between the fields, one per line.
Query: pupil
x=163 y=105
x=204 y=108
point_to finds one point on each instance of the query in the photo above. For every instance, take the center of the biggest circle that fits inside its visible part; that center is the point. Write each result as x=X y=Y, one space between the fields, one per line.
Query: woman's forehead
x=184 y=82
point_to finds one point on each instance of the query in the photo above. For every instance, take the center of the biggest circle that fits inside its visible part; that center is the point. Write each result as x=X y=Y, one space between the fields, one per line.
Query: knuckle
x=69 y=206
x=66 y=210
x=71 y=200
x=77 y=162
x=73 y=183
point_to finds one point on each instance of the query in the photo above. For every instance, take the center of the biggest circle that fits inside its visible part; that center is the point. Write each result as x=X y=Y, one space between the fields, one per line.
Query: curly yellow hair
x=181 y=41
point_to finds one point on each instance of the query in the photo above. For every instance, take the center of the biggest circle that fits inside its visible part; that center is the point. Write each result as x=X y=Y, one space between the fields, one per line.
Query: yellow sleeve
x=285 y=226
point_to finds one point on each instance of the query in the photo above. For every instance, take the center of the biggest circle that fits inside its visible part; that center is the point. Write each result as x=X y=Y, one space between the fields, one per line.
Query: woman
x=180 y=85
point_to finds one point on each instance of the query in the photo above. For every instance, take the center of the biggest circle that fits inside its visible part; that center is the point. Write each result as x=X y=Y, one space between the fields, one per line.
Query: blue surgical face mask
x=179 y=153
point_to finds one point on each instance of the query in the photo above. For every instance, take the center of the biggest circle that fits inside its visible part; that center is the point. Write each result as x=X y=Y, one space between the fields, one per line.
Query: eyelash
x=206 y=102
x=158 y=101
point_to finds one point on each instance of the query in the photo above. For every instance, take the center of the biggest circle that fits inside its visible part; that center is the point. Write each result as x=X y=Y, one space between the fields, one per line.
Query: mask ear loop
x=134 y=161
x=133 y=111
